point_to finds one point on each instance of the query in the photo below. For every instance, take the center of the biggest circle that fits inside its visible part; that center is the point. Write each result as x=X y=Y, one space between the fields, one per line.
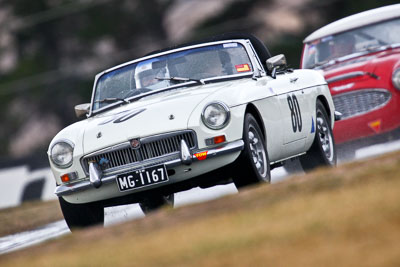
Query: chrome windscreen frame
x=258 y=70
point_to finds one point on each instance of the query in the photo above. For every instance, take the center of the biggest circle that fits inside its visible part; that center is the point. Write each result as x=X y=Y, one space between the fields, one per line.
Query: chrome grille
x=160 y=146
x=360 y=102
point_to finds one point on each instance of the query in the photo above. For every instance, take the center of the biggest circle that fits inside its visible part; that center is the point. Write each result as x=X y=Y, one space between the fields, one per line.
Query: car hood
x=163 y=112
x=359 y=64
x=362 y=68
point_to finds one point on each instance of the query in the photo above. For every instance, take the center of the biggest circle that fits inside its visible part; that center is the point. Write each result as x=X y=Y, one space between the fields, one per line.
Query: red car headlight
x=396 y=79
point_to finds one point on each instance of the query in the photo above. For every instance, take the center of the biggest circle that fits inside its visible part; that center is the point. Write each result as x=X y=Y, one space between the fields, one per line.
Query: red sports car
x=360 y=58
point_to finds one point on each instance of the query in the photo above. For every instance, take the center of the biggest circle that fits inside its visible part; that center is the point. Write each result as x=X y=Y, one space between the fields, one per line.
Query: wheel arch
x=324 y=102
x=252 y=109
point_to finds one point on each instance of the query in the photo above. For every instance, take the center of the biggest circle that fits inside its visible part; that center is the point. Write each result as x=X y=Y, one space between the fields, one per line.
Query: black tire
x=81 y=215
x=252 y=165
x=155 y=202
x=323 y=149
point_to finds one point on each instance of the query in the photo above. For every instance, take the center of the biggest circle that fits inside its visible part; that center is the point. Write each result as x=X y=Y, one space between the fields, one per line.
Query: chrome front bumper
x=185 y=159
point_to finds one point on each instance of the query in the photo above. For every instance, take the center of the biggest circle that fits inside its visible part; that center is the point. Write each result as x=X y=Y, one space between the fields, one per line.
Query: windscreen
x=365 y=39
x=172 y=70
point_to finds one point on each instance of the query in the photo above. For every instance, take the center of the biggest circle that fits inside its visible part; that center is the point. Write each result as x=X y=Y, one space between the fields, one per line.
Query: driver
x=342 y=45
x=148 y=78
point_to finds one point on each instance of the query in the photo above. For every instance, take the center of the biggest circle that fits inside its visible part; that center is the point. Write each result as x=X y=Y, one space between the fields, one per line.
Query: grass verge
x=28 y=216
x=346 y=216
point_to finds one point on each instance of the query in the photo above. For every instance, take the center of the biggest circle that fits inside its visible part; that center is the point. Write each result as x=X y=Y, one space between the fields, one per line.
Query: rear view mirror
x=82 y=110
x=276 y=62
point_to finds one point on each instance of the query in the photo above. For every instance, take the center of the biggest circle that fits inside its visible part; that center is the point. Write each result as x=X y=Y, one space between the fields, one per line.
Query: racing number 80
x=295 y=113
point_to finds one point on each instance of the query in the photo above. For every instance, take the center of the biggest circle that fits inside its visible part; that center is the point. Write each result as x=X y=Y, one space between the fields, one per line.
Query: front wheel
x=252 y=165
x=155 y=202
x=323 y=149
x=81 y=215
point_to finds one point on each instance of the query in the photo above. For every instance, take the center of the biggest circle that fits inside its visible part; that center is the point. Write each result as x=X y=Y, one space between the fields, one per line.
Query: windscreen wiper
x=321 y=63
x=180 y=79
x=112 y=99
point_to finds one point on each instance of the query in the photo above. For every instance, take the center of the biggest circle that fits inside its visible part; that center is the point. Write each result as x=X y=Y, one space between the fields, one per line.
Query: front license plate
x=141 y=178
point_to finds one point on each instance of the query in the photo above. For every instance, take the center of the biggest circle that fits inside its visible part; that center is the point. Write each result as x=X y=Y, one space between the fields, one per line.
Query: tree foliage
x=59 y=46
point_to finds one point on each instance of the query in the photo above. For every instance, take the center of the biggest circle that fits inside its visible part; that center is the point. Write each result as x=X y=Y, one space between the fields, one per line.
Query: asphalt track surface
x=124 y=213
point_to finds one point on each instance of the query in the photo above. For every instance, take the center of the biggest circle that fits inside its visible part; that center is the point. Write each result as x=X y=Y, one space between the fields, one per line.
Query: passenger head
x=342 y=45
x=147 y=78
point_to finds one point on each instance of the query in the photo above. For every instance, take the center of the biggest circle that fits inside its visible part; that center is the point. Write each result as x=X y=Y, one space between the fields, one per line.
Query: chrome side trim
x=228 y=148
x=291 y=157
x=350 y=75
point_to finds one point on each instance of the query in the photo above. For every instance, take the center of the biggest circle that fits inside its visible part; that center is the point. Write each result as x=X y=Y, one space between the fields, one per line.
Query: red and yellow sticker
x=242 y=68
x=375 y=125
x=201 y=155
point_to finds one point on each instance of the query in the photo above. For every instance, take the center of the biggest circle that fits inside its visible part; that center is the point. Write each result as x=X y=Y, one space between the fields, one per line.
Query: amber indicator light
x=65 y=178
x=219 y=139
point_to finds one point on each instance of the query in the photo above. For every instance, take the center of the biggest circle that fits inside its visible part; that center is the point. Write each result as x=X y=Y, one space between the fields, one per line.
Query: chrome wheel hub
x=325 y=137
x=257 y=151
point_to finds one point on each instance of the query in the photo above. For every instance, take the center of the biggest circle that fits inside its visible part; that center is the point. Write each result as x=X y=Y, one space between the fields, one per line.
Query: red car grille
x=360 y=102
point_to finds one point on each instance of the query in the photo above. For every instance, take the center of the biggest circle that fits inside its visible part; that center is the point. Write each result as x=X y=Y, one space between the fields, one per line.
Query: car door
x=267 y=103
x=295 y=112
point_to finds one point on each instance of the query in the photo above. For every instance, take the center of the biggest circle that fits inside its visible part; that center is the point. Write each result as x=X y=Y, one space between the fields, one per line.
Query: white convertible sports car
x=201 y=114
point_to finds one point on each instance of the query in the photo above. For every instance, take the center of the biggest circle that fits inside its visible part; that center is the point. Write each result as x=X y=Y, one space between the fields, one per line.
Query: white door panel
x=286 y=114
x=295 y=112
x=268 y=106
x=269 y=110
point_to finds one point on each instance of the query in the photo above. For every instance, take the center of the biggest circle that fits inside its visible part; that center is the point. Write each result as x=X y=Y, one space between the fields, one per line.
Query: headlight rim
x=396 y=74
x=228 y=115
x=68 y=142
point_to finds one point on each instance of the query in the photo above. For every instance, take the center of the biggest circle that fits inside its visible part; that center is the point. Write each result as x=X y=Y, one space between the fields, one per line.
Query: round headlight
x=396 y=79
x=216 y=115
x=61 y=154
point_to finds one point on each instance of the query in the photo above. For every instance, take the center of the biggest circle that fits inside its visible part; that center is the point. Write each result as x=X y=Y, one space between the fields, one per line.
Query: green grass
x=28 y=216
x=345 y=216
